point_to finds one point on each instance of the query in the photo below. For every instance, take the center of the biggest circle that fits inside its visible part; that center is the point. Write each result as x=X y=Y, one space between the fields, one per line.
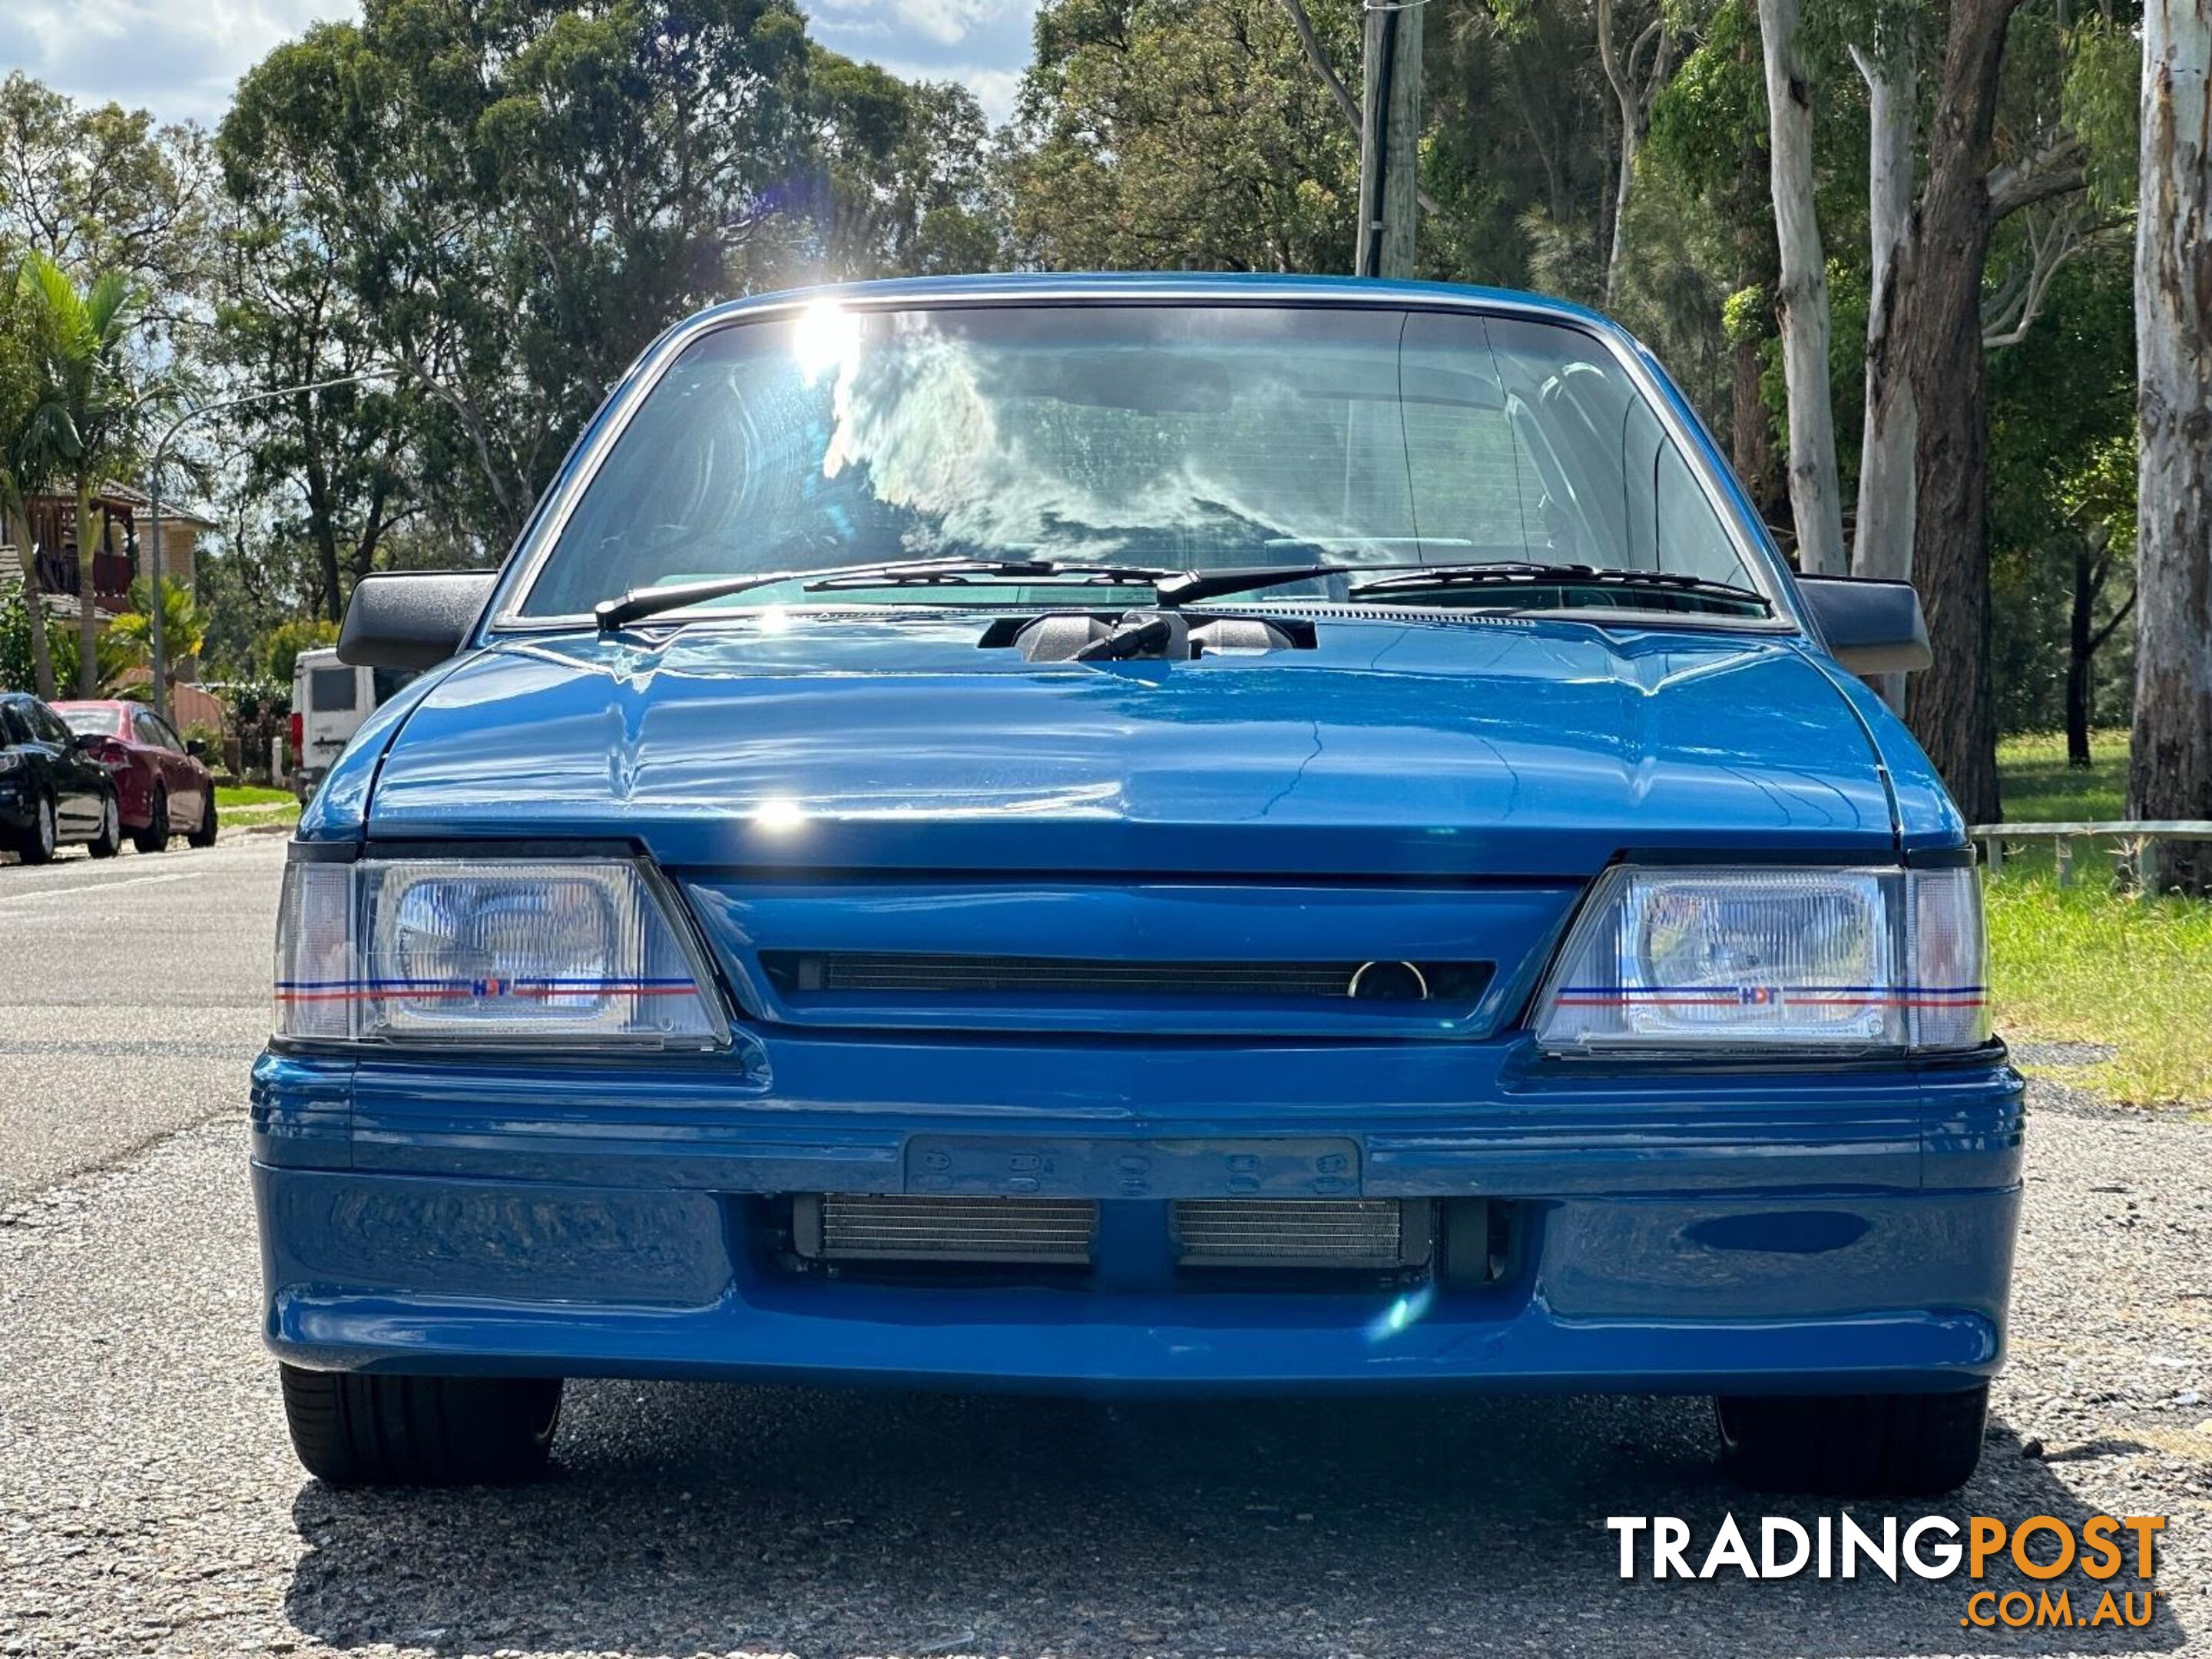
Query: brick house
x=122 y=528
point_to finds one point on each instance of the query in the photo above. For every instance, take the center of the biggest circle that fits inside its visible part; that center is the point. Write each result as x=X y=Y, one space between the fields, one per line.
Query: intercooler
x=1300 y=1232
x=1260 y=1233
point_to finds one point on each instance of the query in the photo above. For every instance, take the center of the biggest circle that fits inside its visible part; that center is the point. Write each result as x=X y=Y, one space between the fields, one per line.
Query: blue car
x=1184 y=835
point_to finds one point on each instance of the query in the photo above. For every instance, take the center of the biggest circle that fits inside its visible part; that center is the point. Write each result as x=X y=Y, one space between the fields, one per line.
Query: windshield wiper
x=1170 y=588
x=1568 y=575
x=641 y=602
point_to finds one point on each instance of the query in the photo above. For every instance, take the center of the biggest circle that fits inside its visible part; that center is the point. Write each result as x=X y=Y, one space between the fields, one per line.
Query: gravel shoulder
x=148 y=1502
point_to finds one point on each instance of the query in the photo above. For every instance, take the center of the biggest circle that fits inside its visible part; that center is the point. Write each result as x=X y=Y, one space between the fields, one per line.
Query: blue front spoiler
x=1756 y=1233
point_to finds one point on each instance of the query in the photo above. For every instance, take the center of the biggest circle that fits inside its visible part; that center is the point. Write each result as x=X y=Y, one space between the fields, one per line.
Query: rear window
x=93 y=722
x=331 y=688
x=390 y=682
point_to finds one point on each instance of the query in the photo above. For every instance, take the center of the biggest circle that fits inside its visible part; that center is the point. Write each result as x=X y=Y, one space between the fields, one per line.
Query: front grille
x=1300 y=1232
x=850 y=1227
x=1457 y=984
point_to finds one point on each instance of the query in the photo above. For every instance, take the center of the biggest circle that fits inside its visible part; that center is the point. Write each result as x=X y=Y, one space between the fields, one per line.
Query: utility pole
x=1390 y=138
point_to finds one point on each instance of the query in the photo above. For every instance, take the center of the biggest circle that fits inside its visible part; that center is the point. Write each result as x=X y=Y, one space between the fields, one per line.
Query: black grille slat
x=1455 y=985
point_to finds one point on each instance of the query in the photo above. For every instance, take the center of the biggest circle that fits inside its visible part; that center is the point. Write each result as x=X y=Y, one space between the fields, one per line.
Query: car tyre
x=42 y=835
x=205 y=836
x=1870 y=1445
x=154 y=837
x=355 y=1430
x=109 y=840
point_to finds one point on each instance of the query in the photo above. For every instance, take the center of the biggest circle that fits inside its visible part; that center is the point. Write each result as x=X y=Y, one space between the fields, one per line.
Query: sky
x=180 y=58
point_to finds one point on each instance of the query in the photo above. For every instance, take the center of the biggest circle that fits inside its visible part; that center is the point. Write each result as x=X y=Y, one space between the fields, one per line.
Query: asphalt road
x=148 y=1502
x=130 y=988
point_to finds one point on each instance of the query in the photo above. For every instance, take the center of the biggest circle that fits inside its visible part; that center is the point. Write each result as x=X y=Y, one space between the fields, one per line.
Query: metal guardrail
x=2139 y=839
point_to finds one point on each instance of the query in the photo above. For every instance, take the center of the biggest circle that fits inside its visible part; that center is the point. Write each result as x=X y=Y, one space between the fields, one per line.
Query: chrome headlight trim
x=354 y=970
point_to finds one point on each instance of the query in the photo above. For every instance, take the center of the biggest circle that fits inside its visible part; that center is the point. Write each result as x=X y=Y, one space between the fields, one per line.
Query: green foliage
x=2062 y=475
x=115 y=658
x=99 y=188
x=279 y=649
x=1715 y=106
x=522 y=194
x=2100 y=104
x=15 y=670
x=78 y=423
x=183 y=628
x=1163 y=134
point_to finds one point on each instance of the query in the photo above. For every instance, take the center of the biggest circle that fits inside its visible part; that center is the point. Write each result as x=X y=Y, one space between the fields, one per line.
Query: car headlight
x=1771 y=959
x=514 y=953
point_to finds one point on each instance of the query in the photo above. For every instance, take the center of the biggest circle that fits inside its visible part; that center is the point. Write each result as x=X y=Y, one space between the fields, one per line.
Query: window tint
x=13 y=730
x=388 y=682
x=147 y=730
x=330 y=687
x=46 y=725
x=166 y=735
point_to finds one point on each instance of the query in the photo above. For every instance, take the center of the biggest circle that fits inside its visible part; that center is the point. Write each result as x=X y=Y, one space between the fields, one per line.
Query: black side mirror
x=86 y=742
x=1871 y=627
x=412 y=618
x=195 y=747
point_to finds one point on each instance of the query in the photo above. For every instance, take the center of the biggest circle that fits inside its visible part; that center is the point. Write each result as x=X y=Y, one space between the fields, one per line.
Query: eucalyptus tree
x=1158 y=134
x=1800 y=294
x=2170 y=768
x=520 y=194
x=97 y=188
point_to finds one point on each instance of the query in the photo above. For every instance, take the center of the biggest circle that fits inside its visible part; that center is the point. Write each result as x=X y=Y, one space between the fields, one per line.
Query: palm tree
x=84 y=406
x=184 y=630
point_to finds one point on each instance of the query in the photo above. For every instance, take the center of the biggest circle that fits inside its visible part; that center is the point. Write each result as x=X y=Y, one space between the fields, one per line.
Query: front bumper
x=1759 y=1233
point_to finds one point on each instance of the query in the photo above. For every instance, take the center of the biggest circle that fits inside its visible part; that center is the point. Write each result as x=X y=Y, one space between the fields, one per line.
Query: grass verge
x=242 y=805
x=2086 y=964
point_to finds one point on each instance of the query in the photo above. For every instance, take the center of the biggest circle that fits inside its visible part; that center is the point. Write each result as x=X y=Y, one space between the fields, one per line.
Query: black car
x=52 y=790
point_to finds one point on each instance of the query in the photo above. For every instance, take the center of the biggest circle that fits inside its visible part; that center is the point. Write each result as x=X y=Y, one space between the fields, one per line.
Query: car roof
x=1199 y=286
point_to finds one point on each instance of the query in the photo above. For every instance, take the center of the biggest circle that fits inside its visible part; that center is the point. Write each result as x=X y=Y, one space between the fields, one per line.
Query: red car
x=160 y=783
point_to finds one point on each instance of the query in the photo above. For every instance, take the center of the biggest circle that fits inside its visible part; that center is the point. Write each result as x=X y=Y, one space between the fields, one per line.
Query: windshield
x=95 y=721
x=1189 y=437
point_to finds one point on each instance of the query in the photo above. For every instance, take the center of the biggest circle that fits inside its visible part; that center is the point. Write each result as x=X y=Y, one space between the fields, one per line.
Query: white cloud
x=984 y=44
x=945 y=21
x=180 y=61
x=182 y=58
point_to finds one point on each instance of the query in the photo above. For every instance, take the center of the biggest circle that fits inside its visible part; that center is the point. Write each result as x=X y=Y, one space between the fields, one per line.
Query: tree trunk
x=2080 y=654
x=35 y=610
x=2170 y=764
x=1883 y=544
x=1882 y=527
x=1800 y=299
x=87 y=620
x=1618 y=76
x=1751 y=428
x=1938 y=323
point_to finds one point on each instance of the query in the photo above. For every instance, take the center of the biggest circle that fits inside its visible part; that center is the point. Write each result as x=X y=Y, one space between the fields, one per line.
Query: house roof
x=122 y=495
x=137 y=502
